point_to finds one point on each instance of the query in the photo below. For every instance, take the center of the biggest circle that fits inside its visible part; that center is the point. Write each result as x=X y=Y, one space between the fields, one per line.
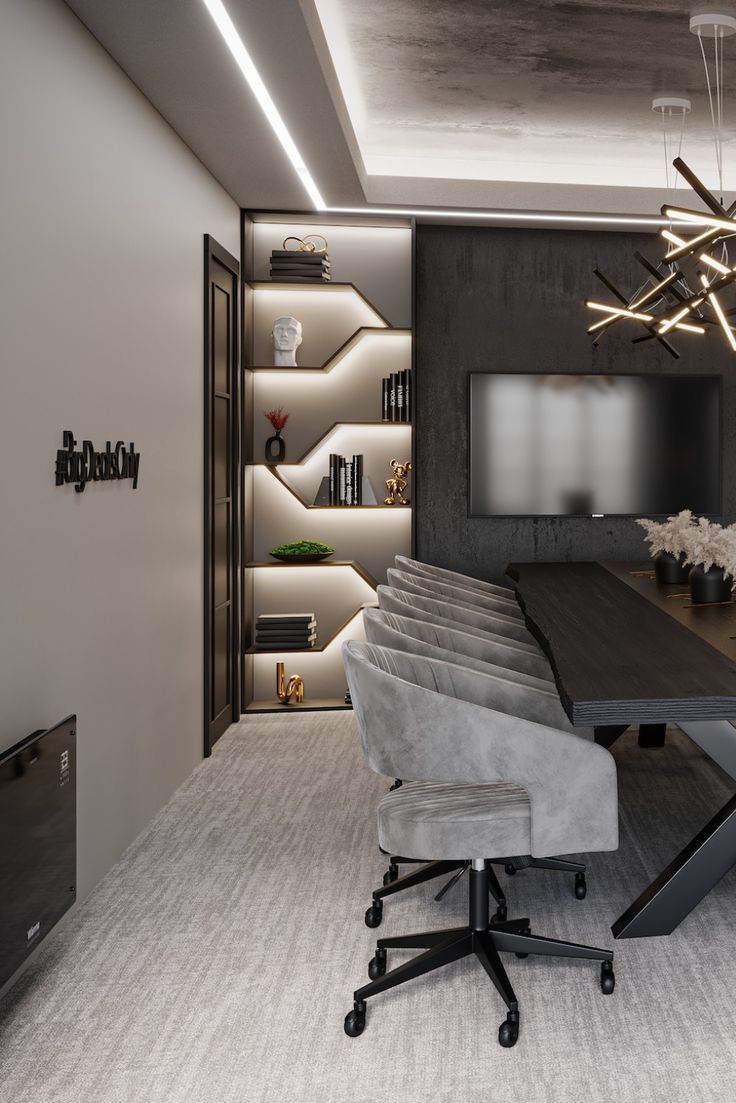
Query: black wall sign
x=89 y=466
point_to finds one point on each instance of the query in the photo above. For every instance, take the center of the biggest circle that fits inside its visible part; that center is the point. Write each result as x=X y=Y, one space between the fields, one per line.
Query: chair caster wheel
x=581 y=886
x=527 y=930
x=500 y=914
x=355 y=1022
x=374 y=914
x=377 y=965
x=508 y=1031
x=510 y=870
x=608 y=978
x=391 y=874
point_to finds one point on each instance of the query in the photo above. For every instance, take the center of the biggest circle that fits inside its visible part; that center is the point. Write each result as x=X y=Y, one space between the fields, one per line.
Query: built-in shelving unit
x=357 y=329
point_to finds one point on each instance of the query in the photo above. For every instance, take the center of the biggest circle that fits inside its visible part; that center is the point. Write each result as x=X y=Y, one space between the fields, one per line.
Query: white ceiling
x=521 y=104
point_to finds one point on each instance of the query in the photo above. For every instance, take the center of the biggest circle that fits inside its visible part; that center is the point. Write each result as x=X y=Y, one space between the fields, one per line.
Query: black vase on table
x=709 y=587
x=671 y=570
x=275 y=448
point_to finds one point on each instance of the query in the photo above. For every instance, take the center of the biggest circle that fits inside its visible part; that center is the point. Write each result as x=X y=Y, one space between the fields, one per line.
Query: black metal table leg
x=652 y=735
x=685 y=881
x=607 y=734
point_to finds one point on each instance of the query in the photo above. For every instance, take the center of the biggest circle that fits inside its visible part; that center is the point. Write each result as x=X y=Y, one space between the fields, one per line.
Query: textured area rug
x=216 y=961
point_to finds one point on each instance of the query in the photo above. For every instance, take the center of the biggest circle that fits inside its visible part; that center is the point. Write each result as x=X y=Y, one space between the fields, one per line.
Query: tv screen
x=546 y=445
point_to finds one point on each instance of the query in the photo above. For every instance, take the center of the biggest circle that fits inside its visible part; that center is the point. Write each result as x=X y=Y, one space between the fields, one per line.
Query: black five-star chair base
x=485 y=937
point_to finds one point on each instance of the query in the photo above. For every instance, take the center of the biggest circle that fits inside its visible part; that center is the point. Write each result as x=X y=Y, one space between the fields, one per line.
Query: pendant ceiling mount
x=672 y=110
x=713 y=25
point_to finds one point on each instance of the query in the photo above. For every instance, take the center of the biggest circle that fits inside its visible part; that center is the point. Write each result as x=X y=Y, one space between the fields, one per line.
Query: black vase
x=671 y=570
x=709 y=587
x=275 y=448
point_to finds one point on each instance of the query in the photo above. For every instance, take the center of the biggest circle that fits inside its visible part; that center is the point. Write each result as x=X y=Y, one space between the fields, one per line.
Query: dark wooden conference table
x=626 y=651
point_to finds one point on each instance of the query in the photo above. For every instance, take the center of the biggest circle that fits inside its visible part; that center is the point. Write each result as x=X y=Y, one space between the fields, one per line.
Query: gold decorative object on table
x=286 y=690
x=397 y=485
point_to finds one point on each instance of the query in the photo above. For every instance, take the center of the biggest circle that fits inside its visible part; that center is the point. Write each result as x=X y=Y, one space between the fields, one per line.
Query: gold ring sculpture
x=306 y=244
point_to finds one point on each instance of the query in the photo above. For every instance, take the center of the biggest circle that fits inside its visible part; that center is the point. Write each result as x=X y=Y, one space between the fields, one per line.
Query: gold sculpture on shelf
x=294 y=688
x=306 y=244
x=397 y=485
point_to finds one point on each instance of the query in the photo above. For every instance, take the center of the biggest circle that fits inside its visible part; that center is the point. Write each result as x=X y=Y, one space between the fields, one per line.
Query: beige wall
x=102 y=213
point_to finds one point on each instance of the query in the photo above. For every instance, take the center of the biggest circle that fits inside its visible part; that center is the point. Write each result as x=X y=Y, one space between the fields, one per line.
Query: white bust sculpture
x=287 y=337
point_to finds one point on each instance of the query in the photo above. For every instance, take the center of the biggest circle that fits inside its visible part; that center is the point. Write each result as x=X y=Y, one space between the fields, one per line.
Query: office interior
x=368 y=648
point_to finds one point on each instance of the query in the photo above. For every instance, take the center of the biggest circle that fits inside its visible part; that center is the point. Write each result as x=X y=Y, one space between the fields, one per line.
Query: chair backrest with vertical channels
x=454 y=578
x=432 y=721
x=389 y=597
x=504 y=606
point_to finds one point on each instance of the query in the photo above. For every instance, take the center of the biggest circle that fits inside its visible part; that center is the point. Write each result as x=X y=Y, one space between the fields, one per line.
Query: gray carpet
x=216 y=961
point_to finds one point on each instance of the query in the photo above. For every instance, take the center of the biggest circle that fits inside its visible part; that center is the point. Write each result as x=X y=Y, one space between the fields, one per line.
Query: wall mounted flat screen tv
x=566 y=445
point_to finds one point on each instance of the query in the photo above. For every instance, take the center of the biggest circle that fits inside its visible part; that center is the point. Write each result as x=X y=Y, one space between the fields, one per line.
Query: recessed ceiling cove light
x=245 y=63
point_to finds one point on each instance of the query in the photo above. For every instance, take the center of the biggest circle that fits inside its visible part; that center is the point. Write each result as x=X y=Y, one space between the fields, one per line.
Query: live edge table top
x=625 y=650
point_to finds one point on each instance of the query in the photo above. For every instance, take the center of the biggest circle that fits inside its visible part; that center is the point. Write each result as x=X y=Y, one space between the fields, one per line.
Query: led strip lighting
x=245 y=63
x=247 y=67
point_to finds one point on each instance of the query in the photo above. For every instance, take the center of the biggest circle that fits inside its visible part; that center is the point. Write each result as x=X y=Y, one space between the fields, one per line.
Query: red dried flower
x=277 y=418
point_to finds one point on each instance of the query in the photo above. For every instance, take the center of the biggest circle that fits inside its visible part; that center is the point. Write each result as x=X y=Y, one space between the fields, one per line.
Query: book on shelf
x=341 y=480
x=296 y=267
x=287 y=618
x=302 y=269
x=344 y=484
x=322 y=278
x=396 y=396
x=286 y=644
x=334 y=477
x=293 y=255
x=348 y=483
x=356 y=478
x=285 y=273
x=286 y=628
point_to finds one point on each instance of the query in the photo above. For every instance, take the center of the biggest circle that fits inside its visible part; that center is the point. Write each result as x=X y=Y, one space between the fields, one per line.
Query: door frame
x=214 y=253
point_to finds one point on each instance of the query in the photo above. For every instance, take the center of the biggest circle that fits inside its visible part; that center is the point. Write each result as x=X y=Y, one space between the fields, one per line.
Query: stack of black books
x=346 y=480
x=295 y=267
x=286 y=631
x=396 y=396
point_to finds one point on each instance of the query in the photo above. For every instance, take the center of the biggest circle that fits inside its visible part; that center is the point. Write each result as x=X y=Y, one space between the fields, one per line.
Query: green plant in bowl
x=302 y=551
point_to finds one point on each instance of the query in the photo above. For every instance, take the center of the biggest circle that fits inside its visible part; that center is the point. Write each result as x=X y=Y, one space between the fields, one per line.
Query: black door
x=221 y=629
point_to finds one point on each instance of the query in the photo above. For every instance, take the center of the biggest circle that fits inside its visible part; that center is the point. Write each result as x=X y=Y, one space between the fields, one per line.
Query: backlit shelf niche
x=353 y=336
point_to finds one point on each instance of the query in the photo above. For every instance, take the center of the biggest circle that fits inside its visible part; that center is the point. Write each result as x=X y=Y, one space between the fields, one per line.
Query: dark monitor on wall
x=595 y=445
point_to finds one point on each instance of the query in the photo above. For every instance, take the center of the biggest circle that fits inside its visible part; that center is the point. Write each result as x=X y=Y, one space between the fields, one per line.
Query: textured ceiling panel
x=535 y=91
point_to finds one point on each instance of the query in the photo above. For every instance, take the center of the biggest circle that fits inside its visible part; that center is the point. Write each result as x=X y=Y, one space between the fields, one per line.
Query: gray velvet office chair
x=429 y=611
x=454 y=578
x=421 y=638
x=473 y=599
x=509 y=627
x=489 y=656
x=492 y=779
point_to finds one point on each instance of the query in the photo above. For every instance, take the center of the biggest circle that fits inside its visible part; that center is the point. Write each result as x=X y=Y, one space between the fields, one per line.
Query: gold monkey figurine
x=397 y=485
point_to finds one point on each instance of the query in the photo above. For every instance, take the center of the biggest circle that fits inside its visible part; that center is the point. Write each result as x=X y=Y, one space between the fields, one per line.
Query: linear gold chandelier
x=689 y=279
